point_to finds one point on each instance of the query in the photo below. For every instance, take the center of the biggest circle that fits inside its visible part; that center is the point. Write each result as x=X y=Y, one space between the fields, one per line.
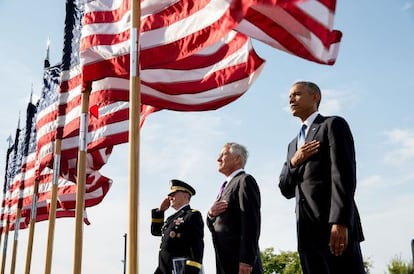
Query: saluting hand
x=165 y=204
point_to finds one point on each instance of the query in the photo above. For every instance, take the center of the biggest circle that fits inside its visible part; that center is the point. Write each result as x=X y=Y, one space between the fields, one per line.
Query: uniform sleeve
x=196 y=230
x=157 y=221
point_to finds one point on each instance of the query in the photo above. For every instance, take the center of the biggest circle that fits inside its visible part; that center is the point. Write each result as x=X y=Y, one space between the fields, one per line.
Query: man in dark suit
x=321 y=174
x=234 y=219
x=182 y=233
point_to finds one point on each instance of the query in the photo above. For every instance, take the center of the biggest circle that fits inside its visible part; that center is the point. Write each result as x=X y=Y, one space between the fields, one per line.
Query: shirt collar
x=234 y=173
x=310 y=119
x=181 y=207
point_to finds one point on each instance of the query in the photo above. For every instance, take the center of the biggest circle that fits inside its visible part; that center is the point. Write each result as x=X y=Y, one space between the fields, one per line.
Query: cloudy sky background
x=371 y=85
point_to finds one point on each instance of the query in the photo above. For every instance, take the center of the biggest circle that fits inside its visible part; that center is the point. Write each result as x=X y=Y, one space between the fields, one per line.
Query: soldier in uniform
x=181 y=234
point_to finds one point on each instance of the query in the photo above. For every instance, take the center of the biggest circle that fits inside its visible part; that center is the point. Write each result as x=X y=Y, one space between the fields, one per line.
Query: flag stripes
x=302 y=28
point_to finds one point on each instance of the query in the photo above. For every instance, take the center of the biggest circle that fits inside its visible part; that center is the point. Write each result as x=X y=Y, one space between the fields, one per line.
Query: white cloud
x=336 y=101
x=381 y=234
x=409 y=5
x=401 y=144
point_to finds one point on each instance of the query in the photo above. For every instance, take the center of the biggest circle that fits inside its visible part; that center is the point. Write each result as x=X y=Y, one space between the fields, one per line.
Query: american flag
x=15 y=164
x=175 y=35
x=4 y=213
x=110 y=124
x=302 y=28
x=207 y=80
x=202 y=68
x=170 y=30
x=50 y=121
x=97 y=185
x=54 y=118
x=21 y=189
x=187 y=62
x=204 y=81
x=46 y=117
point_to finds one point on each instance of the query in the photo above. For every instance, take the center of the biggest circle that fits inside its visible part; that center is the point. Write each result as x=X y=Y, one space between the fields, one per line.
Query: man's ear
x=317 y=99
x=239 y=160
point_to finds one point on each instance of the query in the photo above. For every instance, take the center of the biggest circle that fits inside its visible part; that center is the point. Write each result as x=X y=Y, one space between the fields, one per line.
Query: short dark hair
x=312 y=88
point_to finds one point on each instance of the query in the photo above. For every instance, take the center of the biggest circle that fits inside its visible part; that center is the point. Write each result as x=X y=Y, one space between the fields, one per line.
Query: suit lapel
x=231 y=183
x=313 y=129
x=312 y=132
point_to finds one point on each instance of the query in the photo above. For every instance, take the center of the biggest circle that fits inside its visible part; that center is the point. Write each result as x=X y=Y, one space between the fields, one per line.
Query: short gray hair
x=238 y=149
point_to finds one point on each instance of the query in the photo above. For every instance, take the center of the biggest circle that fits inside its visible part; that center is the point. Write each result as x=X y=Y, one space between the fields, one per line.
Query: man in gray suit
x=321 y=174
x=234 y=219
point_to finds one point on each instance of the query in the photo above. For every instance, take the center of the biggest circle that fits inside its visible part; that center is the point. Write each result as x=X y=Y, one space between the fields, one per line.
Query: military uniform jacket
x=181 y=236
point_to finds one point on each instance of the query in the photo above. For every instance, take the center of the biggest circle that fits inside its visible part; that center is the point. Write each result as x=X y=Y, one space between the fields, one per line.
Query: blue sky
x=371 y=85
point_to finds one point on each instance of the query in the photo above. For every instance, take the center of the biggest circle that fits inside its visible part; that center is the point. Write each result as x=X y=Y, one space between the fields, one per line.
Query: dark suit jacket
x=236 y=231
x=324 y=186
x=182 y=236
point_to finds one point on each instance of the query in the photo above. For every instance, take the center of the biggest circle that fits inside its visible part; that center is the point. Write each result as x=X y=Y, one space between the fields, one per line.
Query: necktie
x=302 y=135
x=223 y=186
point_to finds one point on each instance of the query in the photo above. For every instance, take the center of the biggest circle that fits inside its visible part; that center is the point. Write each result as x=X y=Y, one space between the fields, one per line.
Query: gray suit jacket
x=236 y=231
x=324 y=186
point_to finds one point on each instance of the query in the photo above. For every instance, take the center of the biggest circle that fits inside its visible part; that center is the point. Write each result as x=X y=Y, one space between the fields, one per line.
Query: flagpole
x=53 y=204
x=125 y=251
x=32 y=225
x=33 y=211
x=5 y=188
x=80 y=185
x=6 y=233
x=6 y=240
x=16 y=239
x=134 y=140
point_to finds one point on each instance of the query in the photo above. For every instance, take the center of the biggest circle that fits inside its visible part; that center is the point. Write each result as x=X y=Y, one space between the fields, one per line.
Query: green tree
x=367 y=265
x=286 y=262
x=397 y=266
